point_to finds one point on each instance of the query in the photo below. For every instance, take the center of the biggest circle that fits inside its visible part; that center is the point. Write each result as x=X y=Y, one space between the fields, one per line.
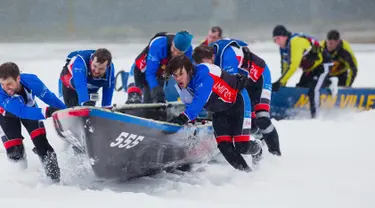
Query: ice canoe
x=128 y=144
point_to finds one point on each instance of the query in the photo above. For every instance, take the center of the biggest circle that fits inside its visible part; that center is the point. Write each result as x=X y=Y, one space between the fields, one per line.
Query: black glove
x=276 y=86
x=50 y=110
x=242 y=81
x=157 y=95
x=134 y=98
x=180 y=119
x=89 y=103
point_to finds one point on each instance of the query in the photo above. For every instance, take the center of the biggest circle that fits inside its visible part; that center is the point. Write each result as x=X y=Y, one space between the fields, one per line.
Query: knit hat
x=280 y=30
x=182 y=41
x=333 y=35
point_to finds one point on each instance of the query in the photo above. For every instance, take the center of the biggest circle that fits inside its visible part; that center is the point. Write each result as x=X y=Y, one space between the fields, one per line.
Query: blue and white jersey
x=78 y=76
x=27 y=108
x=210 y=88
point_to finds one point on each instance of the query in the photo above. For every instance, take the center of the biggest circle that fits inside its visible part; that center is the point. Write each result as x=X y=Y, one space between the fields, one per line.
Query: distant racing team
x=329 y=63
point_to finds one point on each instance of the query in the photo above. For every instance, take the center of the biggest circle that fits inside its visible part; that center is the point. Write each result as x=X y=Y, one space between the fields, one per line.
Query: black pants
x=345 y=80
x=141 y=83
x=255 y=93
x=315 y=80
x=229 y=122
x=228 y=128
x=12 y=139
x=260 y=94
x=342 y=79
x=70 y=96
x=12 y=136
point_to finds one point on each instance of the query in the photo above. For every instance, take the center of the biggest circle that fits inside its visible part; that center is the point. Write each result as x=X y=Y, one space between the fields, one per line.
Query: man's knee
x=242 y=143
x=70 y=97
x=139 y=78
x=249 y=147
x=243 y=147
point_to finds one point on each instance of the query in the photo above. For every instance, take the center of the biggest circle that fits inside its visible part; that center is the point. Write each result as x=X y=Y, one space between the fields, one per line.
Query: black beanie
x=280 y=30
x=333 y=35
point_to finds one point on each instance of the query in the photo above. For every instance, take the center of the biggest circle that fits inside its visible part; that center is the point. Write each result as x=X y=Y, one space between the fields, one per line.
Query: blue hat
x=182 y=41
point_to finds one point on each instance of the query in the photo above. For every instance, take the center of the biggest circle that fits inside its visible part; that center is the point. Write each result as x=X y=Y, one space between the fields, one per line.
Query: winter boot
x=51 y=166
x=272 y=141
x=257 y=151
x=17 y=155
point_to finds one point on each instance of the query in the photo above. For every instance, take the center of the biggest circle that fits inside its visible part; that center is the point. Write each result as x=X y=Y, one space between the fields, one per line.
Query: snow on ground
x=326 y=162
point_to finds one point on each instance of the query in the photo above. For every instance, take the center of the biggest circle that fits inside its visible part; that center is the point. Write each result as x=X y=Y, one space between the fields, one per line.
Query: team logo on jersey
x=255 y=72
x=223 y=90
x=163 y=64
x=141 y=62
x=2 y=111
x=90 y=86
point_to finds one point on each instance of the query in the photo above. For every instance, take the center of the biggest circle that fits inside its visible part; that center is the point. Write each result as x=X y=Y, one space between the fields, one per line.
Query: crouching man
x=18 y=106
x=85 y=72
x=207 y=86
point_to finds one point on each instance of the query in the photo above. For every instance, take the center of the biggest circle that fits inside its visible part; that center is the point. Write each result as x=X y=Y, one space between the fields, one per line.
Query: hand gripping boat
x=134 y=140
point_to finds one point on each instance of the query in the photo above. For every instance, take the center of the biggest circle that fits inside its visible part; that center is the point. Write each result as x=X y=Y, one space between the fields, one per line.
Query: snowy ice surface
x=326 y=162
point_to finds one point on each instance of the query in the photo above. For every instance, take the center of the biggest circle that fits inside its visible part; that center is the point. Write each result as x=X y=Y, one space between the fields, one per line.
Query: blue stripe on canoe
x=134 y=120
